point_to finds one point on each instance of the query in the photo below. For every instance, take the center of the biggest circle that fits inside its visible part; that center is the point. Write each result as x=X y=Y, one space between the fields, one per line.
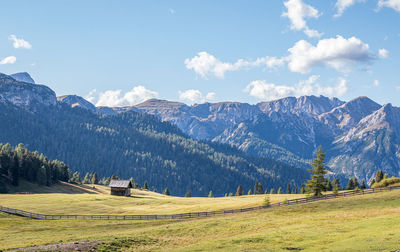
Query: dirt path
x=70 y=246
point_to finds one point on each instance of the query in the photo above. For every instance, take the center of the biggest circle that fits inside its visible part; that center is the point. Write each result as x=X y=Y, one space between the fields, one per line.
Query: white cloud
x=115 y=98
x=205 y=64
x=171 y=11
x=398 y=88
x=19 y=43
x=195 y=96
x=342 y=5
x=8 y=60
x=297 y=12
x=91 y=96
x=394 y=4
x=383 y=53
x=270 y=91
x=339 y=53
x=377 y=83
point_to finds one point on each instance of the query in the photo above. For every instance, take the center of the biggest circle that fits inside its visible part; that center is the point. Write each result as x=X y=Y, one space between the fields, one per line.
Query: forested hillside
x=18 y=162
x=140 y=146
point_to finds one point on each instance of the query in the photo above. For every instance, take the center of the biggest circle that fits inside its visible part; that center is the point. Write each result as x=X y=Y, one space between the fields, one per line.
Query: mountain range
x=129 y=144
x=359 y=137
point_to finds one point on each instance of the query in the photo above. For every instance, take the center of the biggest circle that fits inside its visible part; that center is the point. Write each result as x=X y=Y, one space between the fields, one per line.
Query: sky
x=120 y=53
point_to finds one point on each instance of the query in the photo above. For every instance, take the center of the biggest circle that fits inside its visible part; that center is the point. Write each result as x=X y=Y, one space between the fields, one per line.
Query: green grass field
x=141 y=202
x=361 y=223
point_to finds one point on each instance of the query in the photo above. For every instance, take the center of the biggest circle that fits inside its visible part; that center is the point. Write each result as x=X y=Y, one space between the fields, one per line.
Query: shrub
x=386 y=182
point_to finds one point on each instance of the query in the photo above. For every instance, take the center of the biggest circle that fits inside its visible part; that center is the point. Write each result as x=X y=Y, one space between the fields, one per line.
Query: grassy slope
x=362 y=223
x=141 y=202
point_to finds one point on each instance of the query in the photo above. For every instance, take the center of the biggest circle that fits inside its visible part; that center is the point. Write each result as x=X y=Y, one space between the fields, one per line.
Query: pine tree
x=335 y=181
x=41 y=176
x=87 y=179
x=272 y=191
x=362 y=187
x=379 y=176
x=239 y=191
x=230 y=194
x=350 y=185
x=302 y=189
x=249 y=192
x=280 y=190
x=146 y=185
x=266 y=191
x=166 y=191
x=335 y=188
x=258 y=188
x=288 y=190
x=95 y=179
x=329 y=185
x=386 y=176
x=188 y=194
x=316 y=185
x=210 y=194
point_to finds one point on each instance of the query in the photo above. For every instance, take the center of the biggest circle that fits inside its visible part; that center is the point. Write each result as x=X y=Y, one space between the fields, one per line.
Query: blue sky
x=119 y=53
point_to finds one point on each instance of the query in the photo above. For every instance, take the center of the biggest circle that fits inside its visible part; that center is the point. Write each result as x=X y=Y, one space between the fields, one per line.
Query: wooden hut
x=120 y=187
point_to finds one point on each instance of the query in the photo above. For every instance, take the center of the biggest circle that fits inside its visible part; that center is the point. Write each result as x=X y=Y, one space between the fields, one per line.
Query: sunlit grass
x=359 y=223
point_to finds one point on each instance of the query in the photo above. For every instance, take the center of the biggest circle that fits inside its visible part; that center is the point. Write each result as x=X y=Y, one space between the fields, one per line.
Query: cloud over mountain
x=270 y=91
x=115 y=98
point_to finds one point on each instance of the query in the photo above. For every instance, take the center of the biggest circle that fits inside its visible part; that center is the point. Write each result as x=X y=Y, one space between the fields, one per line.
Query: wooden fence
x=195 y=214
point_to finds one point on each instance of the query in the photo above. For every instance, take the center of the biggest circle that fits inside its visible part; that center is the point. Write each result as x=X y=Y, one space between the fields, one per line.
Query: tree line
x=17 y=162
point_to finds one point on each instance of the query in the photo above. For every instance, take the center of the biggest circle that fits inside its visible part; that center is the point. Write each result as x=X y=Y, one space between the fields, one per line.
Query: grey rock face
x=25 y=94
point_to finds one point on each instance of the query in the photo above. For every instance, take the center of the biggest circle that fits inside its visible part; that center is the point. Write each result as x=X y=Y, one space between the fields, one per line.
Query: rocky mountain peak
x=311 y=105
x=24 y=93
x=23 y=77
x=350 y=113
x=77 y=102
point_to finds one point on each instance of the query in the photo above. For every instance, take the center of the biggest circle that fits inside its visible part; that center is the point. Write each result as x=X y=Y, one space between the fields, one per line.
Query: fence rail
x=195 y=214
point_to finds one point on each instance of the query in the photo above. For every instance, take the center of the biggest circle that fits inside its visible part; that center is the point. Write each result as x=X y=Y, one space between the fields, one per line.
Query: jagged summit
x=23 y=77
x=350 y=113
x=77 y=101
x=305 y=104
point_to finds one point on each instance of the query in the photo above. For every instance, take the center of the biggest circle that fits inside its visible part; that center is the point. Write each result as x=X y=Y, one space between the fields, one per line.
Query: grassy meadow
x=141 y=202
x=361 y=223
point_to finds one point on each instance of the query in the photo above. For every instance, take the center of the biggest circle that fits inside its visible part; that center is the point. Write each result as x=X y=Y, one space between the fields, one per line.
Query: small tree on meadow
x=316 y=185
x=288 y=190
x=166 y=191
x=272 y=191
x=350 y=185
x=266 y=191
x=362 y=187
x=249 y=192
x=239 y=191
x=280 y=190
x=379 y=176
x=258 y=188
x=210 y=194
x=188 y=194
x=95 y=179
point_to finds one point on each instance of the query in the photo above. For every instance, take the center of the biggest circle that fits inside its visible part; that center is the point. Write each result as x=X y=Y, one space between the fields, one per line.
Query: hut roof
x=120 y=183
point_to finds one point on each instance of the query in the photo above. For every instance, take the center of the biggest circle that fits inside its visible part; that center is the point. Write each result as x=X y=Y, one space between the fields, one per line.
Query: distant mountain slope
x=132 y=144
x=290 y=129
